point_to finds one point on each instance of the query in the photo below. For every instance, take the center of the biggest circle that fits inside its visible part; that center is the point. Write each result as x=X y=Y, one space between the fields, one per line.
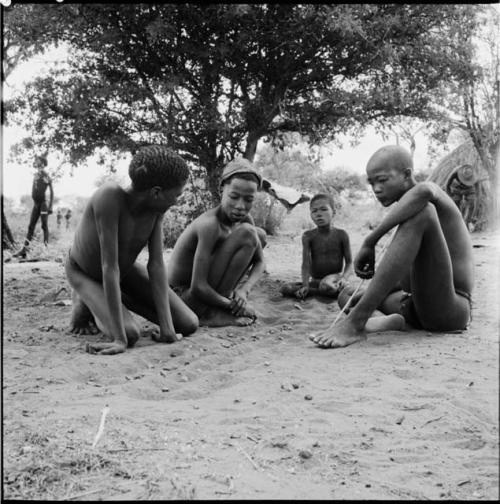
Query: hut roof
x=464 y=154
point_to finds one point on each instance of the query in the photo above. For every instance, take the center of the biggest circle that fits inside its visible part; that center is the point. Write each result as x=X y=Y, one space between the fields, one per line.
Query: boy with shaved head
x=426 y=274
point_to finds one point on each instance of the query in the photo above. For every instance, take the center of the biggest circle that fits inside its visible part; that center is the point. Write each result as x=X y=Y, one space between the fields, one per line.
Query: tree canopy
x=211 y=80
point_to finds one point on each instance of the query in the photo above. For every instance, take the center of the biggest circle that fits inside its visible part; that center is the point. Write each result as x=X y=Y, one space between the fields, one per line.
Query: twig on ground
x=84 y=494
x=114 y=450
x=433 y=420
x=100 y=431
x=239 y=448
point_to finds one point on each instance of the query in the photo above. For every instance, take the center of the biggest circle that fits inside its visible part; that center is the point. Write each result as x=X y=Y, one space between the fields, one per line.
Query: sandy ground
x=250 y=413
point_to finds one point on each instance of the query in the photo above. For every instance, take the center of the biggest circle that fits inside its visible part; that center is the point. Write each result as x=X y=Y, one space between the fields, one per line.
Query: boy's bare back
x=133 y=230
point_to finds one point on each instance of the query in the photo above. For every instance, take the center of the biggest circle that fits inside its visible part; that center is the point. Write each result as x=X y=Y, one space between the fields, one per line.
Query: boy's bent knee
x=133 y=333
x=247 y=234
x=190 y=325
x=262 y=235
x=424 y=217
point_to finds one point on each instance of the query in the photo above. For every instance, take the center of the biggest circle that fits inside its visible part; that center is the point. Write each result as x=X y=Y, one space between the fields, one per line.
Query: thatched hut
x=480 y=204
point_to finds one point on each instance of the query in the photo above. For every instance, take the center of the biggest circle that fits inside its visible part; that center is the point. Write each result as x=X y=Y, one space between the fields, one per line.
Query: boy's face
x=237 y=199
x=163 y=199
x=388 y=184
x=321 y=212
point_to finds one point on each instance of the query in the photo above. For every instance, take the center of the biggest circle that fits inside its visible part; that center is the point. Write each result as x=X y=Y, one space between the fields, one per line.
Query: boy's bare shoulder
x=206 y=221
x=108 y=190
x=308 y=234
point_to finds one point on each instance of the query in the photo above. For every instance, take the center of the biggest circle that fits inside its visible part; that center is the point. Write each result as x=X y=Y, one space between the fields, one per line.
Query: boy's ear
x=407 y=173
x=155 y=191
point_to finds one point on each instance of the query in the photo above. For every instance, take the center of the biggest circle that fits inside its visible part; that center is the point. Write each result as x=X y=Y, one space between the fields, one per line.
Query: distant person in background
x=59 y=218
x=462 y=189
x=41 y=208
x=68 y=217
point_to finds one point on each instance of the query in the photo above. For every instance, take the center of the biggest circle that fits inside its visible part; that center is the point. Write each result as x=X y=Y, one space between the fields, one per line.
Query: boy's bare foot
x=392 y=322
x=82 y=320
x=221 y=318
x=346 y=333
x=343 y=334
x=105 y=348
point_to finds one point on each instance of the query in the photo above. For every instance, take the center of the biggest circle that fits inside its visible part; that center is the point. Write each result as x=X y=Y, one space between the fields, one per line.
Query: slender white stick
x=100 y=431
x=349 y=301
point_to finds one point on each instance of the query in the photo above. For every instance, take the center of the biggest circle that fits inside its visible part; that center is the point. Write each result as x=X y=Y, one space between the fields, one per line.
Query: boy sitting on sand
x=116 y=225
x=426 y=274
x=326 y=254
x=218 y=248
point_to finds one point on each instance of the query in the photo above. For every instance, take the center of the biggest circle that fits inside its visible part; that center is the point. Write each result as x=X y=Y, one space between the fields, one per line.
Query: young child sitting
x=426 y=276
x=326 y=254
x=218 y=249
x=101 y=267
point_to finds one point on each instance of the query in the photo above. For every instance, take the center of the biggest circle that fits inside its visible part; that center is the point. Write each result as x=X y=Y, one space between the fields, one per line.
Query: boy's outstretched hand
x=166 y=336
x=105 y=348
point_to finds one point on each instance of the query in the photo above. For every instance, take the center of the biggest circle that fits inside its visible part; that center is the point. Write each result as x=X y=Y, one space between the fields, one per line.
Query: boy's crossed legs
x=418 y=242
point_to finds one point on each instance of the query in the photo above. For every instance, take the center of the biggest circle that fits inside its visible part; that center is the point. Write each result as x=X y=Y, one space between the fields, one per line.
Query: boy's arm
x=346 y=250
x=409 y=205
x=107 y=215
x=306 y=259
x=412 y=202
x=258 y=267
x=207 y=237
x=51 y=191
x=158 y=278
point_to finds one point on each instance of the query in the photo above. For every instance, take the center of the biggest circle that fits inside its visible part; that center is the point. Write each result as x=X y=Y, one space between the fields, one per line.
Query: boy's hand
x=105 y=348
x=364 y=264
x=302 y=292
x=238 y=302
x=166 y=336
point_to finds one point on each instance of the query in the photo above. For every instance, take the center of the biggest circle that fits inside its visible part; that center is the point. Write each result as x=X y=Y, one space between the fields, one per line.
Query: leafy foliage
x=211 y=80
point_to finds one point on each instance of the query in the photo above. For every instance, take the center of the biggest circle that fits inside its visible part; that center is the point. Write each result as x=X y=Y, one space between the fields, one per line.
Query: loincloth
x=410 y=313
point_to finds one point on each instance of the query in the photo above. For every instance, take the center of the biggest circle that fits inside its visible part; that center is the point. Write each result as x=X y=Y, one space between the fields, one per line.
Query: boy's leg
x=92 y=295
x=44 y=217
x=329 y=285
x=82 y=320
x=419 y=242
x=228 y=265
x=233 y=258
x=137 y=297
x=35 y=213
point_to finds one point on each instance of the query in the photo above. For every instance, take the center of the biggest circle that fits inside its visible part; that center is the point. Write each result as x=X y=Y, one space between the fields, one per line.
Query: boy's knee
x=262 y=235
x=425 y=216
x=133 y=333
x=248 y=234
x=190 y=325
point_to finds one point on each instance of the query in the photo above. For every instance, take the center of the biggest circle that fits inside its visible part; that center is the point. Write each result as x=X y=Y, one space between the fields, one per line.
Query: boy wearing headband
x=217 y=249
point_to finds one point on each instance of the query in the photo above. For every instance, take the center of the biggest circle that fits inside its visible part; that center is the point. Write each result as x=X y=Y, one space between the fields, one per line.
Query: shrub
x=194 y=200
x=268 y=213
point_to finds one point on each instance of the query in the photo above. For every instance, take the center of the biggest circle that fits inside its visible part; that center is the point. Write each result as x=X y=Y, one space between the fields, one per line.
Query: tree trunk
x=8 y=241
x=251 y=147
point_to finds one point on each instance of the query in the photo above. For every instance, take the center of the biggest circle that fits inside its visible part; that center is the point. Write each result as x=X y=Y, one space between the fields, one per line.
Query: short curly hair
x=157 y=165
x=323 y=196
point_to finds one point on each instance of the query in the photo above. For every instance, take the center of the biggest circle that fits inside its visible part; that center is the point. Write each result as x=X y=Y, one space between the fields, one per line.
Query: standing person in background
x=59 y=218
x=68 y=217
x=41 y=209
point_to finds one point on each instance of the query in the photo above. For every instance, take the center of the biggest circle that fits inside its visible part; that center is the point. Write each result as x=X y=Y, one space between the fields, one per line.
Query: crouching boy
x=101 y=267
